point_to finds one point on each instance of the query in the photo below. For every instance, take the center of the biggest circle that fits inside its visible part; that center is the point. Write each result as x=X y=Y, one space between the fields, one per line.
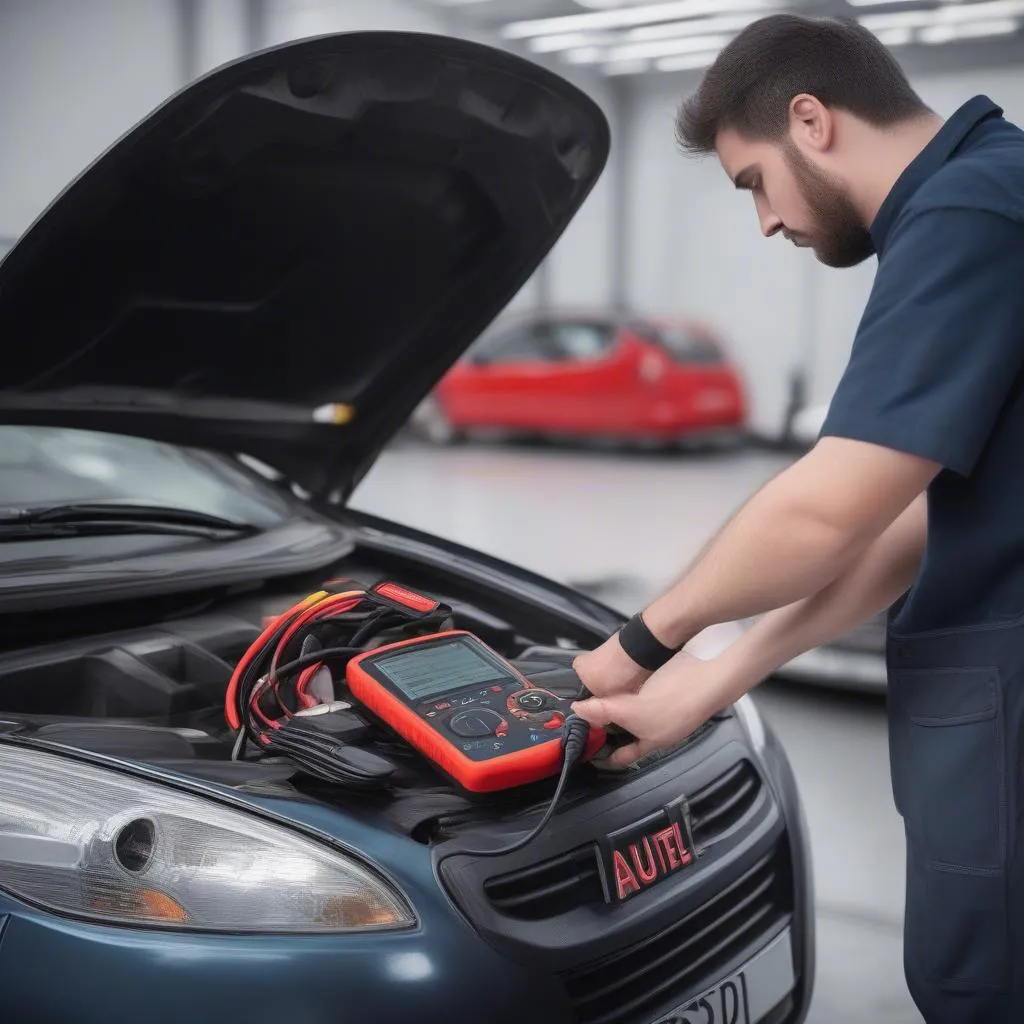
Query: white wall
x=74 y=76
x=694 y=246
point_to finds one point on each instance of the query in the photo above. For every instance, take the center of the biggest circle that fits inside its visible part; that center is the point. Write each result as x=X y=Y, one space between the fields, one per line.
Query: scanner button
x=480 y=722
x=530 y=700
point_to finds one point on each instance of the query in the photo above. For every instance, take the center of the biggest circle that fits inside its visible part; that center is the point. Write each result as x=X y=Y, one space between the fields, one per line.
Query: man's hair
x=752 y=81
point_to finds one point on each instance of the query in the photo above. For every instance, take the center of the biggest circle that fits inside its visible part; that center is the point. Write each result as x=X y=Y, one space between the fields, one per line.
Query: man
x=911 y=491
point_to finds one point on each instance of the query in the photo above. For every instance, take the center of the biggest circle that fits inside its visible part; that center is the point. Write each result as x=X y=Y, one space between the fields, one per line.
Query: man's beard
x=840 y=238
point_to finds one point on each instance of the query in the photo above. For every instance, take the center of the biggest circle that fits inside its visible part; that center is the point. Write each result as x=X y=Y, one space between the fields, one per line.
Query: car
x=211 y=335
x=807 y=424
x=594 y=376
x=854 y=661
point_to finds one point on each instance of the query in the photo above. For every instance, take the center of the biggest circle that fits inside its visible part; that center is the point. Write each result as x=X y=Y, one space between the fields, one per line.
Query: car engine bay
x=155 y=694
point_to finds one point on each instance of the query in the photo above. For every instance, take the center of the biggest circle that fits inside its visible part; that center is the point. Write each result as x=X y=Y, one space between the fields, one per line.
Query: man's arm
x=687 y=691
x=883 y=574
x=795 y=537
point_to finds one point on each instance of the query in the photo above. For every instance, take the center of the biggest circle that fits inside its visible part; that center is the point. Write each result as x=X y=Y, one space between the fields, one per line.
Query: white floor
x=628 y=525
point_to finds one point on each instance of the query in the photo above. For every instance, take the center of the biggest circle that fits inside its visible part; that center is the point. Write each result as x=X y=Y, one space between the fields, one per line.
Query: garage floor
x=624 y=526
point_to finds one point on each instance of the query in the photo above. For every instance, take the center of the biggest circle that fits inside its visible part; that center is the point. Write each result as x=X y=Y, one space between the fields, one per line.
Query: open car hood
x=286 y=256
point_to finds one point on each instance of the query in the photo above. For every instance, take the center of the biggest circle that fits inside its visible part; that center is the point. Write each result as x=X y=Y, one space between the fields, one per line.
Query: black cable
x=247 y=731
x=574 y=742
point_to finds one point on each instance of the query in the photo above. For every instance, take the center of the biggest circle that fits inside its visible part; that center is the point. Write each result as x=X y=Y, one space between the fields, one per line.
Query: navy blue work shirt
x=937 y=366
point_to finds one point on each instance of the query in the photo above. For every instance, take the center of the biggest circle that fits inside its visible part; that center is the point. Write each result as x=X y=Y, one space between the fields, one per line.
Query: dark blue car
x=208 y=338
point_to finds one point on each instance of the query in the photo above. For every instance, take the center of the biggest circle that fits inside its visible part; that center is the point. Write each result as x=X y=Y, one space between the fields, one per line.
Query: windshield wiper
x=99 y=518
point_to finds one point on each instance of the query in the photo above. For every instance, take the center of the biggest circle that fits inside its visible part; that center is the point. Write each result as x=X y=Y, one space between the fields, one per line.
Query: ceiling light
x=604 y=5
x=944 y=15
x=693 y=26
x=626 y=67
x=624 y=17
x=687 y=61
x=935 y=34
x=879 y=3
x=895 y=36
x=586 y=55
x=568 y=40
x=640 y=51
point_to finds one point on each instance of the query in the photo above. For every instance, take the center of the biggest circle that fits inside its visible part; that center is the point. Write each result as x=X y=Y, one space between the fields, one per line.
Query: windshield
x=44 y=466
x=683 y=344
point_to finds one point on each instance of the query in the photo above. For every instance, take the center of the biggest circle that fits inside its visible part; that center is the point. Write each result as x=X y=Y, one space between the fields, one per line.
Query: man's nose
x=770 y=223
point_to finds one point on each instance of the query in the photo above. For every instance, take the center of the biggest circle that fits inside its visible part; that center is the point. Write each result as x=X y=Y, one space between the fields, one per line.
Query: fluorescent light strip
x=639 y=51
x=935 y=34
x=569 y=40
x=604 y=5
x=895 y=36
x=693 y=27
x=687 y=61
x=626 y=67
x=648 y=33
x=944 y=15
x=880 y=3
x=626 y=17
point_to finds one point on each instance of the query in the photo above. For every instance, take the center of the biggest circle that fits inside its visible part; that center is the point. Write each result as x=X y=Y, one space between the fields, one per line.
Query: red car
x=590 y=376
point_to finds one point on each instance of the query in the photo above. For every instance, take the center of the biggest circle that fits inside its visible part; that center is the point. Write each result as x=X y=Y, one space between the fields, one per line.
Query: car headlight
x=82 y=840
x=752 y=722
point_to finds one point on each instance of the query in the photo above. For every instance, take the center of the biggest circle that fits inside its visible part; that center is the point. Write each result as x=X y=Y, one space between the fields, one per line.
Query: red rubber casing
x=500 y=771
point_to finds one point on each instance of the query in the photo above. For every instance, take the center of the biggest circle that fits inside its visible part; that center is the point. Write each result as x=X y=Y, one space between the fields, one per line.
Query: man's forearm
x=801 y=532
x=884 y=573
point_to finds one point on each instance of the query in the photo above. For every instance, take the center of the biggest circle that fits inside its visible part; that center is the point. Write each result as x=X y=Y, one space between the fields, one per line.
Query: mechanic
x=908 y=501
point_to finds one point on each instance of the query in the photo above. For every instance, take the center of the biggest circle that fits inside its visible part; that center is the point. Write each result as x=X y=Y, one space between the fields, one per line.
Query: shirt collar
x=928 y=161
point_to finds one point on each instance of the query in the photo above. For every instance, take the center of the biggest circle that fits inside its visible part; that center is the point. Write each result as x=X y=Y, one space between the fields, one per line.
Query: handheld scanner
x=465 y=708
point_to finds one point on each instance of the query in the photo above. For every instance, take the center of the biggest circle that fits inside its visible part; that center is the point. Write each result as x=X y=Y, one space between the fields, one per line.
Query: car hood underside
x=287 y=255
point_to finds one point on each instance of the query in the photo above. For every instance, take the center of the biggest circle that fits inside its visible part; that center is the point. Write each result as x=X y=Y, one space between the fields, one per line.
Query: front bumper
x=479 y=951
x=544 y=907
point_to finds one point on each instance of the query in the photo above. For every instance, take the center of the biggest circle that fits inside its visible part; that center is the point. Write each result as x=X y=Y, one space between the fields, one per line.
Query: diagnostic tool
x=463 y=706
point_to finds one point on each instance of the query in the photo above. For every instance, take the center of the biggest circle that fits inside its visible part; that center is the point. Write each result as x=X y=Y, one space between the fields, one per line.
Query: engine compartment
x=155 y=694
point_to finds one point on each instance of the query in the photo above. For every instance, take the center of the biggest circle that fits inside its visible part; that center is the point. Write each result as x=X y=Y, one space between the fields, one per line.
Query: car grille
x=633 y=983
x=560 y=884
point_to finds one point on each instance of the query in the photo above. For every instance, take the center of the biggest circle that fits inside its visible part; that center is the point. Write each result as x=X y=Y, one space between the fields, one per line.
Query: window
x=42 y=466
x=521 y=344
x=681 y=343
x=581 y=341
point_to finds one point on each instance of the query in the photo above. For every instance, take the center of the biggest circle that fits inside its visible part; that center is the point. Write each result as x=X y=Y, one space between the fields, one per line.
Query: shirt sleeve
x=941 y=342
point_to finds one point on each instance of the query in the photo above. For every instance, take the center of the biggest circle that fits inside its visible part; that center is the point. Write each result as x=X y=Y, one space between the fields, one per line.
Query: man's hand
x=609 y=670
x=676 y=701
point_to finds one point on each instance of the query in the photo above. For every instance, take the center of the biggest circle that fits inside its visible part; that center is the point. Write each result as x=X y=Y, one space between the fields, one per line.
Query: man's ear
x=811 y=124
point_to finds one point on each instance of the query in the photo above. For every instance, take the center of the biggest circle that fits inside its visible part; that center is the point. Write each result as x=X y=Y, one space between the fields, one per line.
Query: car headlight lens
x=753 y=723
x=85 y=841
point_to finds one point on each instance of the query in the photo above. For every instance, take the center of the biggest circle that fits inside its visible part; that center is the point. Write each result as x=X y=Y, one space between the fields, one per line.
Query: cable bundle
x=279 y=675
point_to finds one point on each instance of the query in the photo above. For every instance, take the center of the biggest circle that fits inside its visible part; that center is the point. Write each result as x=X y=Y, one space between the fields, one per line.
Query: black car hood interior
x=285 y=257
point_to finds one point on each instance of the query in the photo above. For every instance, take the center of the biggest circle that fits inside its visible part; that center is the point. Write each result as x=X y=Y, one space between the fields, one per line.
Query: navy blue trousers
x=956 y=732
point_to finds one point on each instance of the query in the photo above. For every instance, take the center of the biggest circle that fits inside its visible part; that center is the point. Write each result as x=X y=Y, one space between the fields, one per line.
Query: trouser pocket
x=949 y=771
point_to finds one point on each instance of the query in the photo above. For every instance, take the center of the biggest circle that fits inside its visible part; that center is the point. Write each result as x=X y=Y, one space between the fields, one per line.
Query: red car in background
x=601 y=377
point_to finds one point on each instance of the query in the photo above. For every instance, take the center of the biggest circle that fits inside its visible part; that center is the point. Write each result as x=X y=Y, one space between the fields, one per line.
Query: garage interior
x=660 y=236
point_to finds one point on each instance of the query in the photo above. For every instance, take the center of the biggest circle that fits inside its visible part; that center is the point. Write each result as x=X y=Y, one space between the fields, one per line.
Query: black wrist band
x=643 y=646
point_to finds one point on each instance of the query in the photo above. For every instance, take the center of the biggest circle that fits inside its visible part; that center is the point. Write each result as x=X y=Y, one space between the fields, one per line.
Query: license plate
x=645 y=853
x=726 y=1003
x=746 y=996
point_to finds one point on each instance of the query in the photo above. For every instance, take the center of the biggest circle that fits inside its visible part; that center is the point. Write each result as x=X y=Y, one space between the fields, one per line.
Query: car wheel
x=432 y=423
